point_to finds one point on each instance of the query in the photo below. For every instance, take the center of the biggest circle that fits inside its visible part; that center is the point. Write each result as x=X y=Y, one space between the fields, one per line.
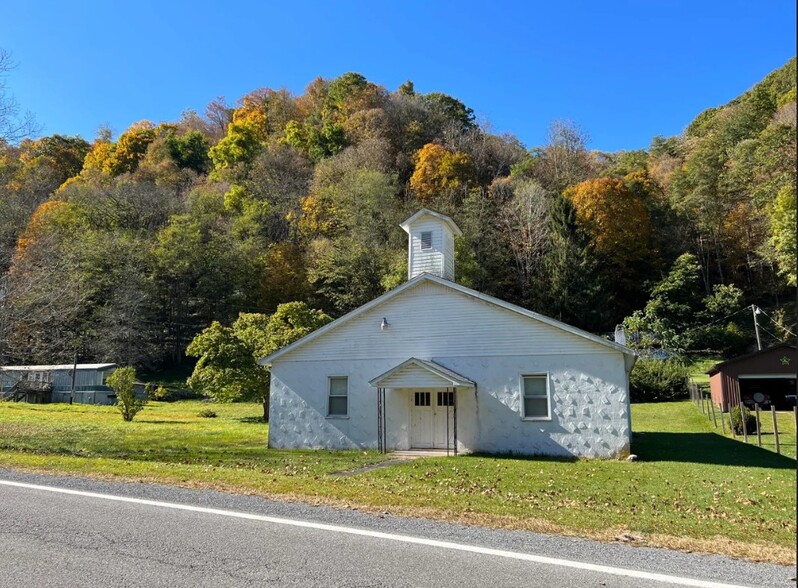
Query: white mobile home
x=53 y=383
x=435 y=365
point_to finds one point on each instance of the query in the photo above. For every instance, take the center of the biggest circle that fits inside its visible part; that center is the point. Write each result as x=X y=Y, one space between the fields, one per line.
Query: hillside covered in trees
x=123 y=249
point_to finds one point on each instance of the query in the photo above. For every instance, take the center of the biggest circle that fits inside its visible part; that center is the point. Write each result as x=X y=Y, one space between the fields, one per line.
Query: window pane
x=536 y=407
x=535 y=386
x=338 y=386
x=338 y=405
x=445 y=398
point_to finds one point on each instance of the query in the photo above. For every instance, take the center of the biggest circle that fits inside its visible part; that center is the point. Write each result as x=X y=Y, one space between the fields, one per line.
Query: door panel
x=443 y=412
x=421 y=433
x=430 y=412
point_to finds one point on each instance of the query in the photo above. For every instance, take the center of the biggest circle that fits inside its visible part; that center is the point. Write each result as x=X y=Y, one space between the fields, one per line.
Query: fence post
x=722 y=422
x=743 y=419
x=758 y=425
x=775 y=428
x=712 y=407
x=731 y=422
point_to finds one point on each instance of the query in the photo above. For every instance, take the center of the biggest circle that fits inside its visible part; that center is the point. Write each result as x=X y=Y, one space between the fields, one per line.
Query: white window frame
x=522 y=389
x=421 y=240
x=331 y=395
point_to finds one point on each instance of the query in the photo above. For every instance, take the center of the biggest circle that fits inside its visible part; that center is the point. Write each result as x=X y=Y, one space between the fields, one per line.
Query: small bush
x=159 y=393
x=737 y=421
x=207 y=413
x=123 y=383
x=654 y=380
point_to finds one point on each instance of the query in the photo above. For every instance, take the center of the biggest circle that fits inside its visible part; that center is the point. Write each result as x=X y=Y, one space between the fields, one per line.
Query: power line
x=772 y=320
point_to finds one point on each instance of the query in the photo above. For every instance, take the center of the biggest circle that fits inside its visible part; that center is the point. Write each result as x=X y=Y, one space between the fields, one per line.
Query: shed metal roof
x=719 y=366
x=56 y=367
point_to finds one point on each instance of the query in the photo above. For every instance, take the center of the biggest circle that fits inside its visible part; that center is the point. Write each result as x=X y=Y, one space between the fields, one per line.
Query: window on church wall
x=535 y=405
x=338 y=398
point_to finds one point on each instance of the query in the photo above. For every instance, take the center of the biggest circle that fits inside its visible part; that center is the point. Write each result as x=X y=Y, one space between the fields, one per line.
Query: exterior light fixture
x=384 y=324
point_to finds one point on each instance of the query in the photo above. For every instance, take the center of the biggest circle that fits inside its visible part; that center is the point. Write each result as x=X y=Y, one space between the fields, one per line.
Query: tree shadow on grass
x=162 y=422
x=706 y=448
x=252 y=420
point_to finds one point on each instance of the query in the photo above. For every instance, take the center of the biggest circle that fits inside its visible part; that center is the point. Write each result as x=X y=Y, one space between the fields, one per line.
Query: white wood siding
x=448 y=254
x=430 y=320
x=439 y=259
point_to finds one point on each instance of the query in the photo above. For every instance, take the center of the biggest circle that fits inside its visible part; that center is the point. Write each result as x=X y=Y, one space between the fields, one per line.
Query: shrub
x=159 y=393
x=654 y=380
x=738 y=416
x=123 y=383
x=207 y=413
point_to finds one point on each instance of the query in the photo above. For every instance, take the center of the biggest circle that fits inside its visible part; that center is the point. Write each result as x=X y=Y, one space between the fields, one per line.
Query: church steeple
x=430 y=244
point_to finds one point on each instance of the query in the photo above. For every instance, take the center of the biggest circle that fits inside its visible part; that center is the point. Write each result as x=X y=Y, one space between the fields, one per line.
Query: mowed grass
x=690 y=488
x=699 y=367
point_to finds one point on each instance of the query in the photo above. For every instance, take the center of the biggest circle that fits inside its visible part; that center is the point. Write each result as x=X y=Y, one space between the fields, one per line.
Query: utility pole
x=755 y=310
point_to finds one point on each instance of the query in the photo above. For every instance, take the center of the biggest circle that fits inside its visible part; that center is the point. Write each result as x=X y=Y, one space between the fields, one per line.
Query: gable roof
x=422 y=366
x=719 y=366
x=421 y=278
x=427 y=212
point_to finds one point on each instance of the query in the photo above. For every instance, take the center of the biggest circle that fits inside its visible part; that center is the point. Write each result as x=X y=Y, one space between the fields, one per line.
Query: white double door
x=432 y=419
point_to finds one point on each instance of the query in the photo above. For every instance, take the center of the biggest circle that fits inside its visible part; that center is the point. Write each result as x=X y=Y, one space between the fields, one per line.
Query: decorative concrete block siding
x=590 y=411
x=595 y=412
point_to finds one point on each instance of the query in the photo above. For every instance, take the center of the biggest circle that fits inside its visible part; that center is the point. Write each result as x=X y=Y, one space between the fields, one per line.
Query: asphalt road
x=117 y=534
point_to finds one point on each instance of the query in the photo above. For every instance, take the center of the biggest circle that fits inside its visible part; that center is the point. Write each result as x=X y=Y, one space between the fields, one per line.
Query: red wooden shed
x=766 y=377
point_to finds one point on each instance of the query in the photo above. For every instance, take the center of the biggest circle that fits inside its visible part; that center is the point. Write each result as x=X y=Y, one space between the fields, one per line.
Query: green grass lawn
x=690 y=489
x=699 y=367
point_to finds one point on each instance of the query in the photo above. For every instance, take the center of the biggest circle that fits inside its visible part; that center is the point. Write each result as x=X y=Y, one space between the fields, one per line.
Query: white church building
x=435 y=365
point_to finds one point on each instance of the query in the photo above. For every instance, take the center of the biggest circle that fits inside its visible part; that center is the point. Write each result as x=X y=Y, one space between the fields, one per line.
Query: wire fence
x=771 y=429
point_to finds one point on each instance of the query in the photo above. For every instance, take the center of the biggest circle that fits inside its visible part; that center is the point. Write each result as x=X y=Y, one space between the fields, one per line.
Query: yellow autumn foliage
x=439 y=172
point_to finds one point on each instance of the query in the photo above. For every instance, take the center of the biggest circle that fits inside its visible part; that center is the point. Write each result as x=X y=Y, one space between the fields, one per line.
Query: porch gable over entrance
x=421 y=373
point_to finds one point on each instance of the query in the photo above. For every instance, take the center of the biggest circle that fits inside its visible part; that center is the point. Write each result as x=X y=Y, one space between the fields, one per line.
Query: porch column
x=379 y=420
x=382 y=433
x=454 y=414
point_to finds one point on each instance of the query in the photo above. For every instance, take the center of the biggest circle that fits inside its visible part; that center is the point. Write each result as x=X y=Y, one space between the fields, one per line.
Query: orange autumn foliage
x=38 y=224
x=615 y=218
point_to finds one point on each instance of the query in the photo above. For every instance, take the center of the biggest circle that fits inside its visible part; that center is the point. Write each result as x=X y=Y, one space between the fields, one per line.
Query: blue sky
x=623 y=71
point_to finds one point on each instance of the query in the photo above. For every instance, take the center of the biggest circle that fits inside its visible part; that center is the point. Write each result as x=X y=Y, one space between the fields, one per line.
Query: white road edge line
x=629 y=573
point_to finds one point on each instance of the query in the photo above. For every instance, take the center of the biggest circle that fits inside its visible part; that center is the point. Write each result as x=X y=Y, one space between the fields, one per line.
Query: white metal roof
x=462 y=289
x=427 y=212
x=56 y=367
